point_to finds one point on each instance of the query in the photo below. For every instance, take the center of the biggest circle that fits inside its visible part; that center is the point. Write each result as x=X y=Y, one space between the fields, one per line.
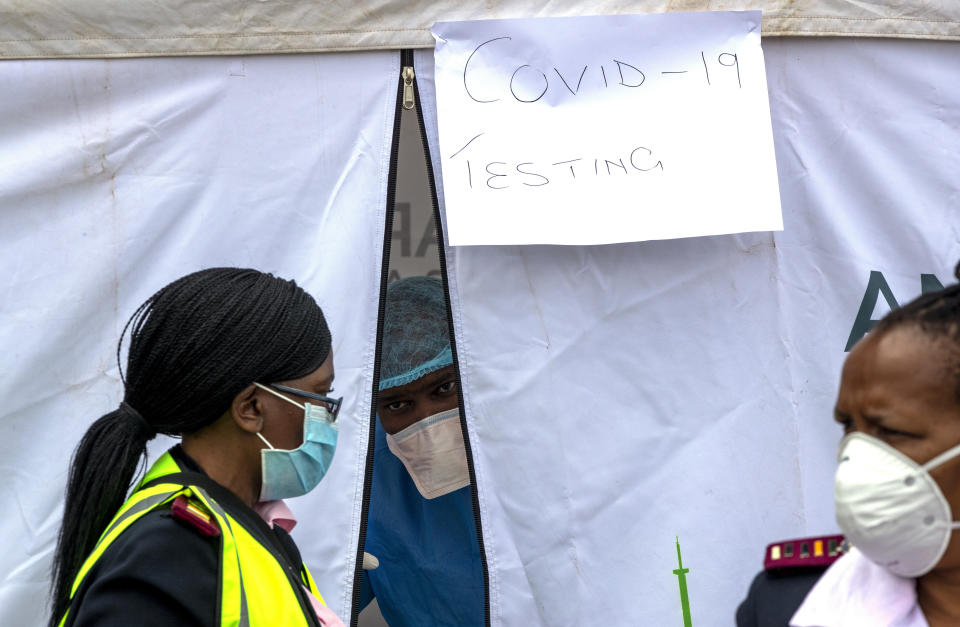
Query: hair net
x=416 y=332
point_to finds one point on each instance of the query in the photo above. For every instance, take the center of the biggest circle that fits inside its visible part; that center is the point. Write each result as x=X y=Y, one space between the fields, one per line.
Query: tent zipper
x=407 y=96
x=384 y=270
x=453 y=340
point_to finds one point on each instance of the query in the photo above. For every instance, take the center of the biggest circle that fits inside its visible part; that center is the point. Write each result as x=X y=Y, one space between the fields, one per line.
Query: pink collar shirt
x=277 y=513
x=855 y=592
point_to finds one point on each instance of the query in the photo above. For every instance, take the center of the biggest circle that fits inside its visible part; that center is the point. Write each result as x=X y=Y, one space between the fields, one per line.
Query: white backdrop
x=621 y=396
x=117 y=177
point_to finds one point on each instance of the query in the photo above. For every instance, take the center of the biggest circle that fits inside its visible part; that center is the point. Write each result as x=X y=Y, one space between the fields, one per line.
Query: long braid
x=193 y=346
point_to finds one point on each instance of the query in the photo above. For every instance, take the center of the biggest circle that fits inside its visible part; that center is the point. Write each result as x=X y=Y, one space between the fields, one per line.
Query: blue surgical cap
x=416 y=333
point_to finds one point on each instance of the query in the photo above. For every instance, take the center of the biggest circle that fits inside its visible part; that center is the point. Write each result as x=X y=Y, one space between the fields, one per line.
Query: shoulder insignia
x=195 y=515
x=804 y=552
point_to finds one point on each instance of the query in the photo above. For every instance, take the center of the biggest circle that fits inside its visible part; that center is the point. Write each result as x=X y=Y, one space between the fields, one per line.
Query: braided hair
x=194 y=345
x=936 y=314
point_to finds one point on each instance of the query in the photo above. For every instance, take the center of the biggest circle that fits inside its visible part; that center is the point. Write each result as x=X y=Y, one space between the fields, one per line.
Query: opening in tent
x=413 y=248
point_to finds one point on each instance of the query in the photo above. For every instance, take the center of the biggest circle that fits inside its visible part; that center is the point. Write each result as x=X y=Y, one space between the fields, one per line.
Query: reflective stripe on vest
x=255 y=590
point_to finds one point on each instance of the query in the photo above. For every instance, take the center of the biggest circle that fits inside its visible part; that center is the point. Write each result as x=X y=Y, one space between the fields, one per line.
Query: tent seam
x=220 y=35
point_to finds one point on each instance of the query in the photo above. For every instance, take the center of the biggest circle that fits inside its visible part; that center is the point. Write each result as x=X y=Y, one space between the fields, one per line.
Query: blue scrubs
x=430 y=566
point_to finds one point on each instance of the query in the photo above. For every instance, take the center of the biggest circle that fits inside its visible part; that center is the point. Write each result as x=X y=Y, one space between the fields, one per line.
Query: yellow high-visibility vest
x=256 y=590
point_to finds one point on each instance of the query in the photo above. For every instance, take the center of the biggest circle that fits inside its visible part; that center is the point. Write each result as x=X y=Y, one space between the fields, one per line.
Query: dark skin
x=401 y=406
x=229 y=450
x=900 y=386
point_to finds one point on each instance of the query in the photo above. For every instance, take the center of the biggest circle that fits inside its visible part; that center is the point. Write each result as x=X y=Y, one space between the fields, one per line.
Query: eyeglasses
x=332 y=404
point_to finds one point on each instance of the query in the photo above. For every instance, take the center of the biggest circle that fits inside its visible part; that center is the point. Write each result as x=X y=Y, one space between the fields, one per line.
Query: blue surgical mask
x=289 y=473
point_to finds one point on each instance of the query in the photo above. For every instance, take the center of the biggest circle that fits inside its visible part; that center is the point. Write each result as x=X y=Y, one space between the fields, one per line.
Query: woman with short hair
x=897 y=486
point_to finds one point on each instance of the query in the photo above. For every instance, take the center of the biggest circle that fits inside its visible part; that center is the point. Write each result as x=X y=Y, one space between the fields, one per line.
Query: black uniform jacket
x=161 y=571
x=775 y=595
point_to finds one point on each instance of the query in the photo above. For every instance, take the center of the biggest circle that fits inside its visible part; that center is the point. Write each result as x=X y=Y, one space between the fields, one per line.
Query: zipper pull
x=407 y=74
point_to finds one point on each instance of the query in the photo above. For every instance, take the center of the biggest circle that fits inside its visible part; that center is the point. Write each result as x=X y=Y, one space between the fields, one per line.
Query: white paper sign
x=596 y=130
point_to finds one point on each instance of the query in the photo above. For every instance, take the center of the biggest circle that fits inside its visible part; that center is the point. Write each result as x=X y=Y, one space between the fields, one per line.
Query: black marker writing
x=533 y=174
x=546 y=84
x=466 y=66
x=495 y=175
x=735 y=62
x=565 y=84
x=617 y=164
x=620 y=65
x=650 y=153
x=528 y=83
x=545 y=179
x=572 y=173
x=465 y=145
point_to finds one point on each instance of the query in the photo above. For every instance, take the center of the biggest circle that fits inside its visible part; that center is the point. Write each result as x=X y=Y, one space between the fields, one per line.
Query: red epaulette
x=815 y=551
x=195 y=515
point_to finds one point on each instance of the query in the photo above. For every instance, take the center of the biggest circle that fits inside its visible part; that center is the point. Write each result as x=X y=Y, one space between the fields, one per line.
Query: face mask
x=889 y=506
x=432 y=452
x=286 y=474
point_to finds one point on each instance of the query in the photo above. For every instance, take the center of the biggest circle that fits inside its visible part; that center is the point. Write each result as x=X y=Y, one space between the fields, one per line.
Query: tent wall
x=94 y=28
x=117 y=177
x=618 y=397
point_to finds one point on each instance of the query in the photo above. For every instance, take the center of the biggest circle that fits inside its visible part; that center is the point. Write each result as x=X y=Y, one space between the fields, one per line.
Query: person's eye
x=446 y=388
x=396 y=406
x=887 y=432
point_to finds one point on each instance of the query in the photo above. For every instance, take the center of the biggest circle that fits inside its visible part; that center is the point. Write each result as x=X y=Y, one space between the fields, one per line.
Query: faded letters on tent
x=597 y=130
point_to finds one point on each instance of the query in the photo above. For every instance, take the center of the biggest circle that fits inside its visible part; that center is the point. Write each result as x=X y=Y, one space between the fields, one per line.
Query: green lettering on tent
x=429 y=237
x=401 y=228
x=681 y=574
x=864 y=323
x=875 y=286
x=930 y=283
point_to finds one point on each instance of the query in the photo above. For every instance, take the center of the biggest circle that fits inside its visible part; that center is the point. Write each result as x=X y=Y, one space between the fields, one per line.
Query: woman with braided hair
x=897 y=487
x=238 y=364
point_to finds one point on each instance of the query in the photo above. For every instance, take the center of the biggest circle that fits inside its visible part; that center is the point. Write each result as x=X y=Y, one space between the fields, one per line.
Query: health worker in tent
x=239 y=365
x=421 y=525
x=897 y=485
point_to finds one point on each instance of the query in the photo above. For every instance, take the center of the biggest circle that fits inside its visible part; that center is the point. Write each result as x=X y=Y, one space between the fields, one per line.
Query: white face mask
x=432 y=451
x=889 y=506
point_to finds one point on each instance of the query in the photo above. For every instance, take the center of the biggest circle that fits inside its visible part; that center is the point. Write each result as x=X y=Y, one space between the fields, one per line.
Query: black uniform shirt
x=775 y=596
x=160 y=571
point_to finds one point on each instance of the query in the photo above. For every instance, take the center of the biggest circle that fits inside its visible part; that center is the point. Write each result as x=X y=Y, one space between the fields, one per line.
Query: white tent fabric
x=117 y=177
x=620 y=396
x=92 y=28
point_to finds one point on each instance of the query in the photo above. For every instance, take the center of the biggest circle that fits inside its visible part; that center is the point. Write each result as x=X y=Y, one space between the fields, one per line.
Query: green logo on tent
x=681 y=574
x=877 y=286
